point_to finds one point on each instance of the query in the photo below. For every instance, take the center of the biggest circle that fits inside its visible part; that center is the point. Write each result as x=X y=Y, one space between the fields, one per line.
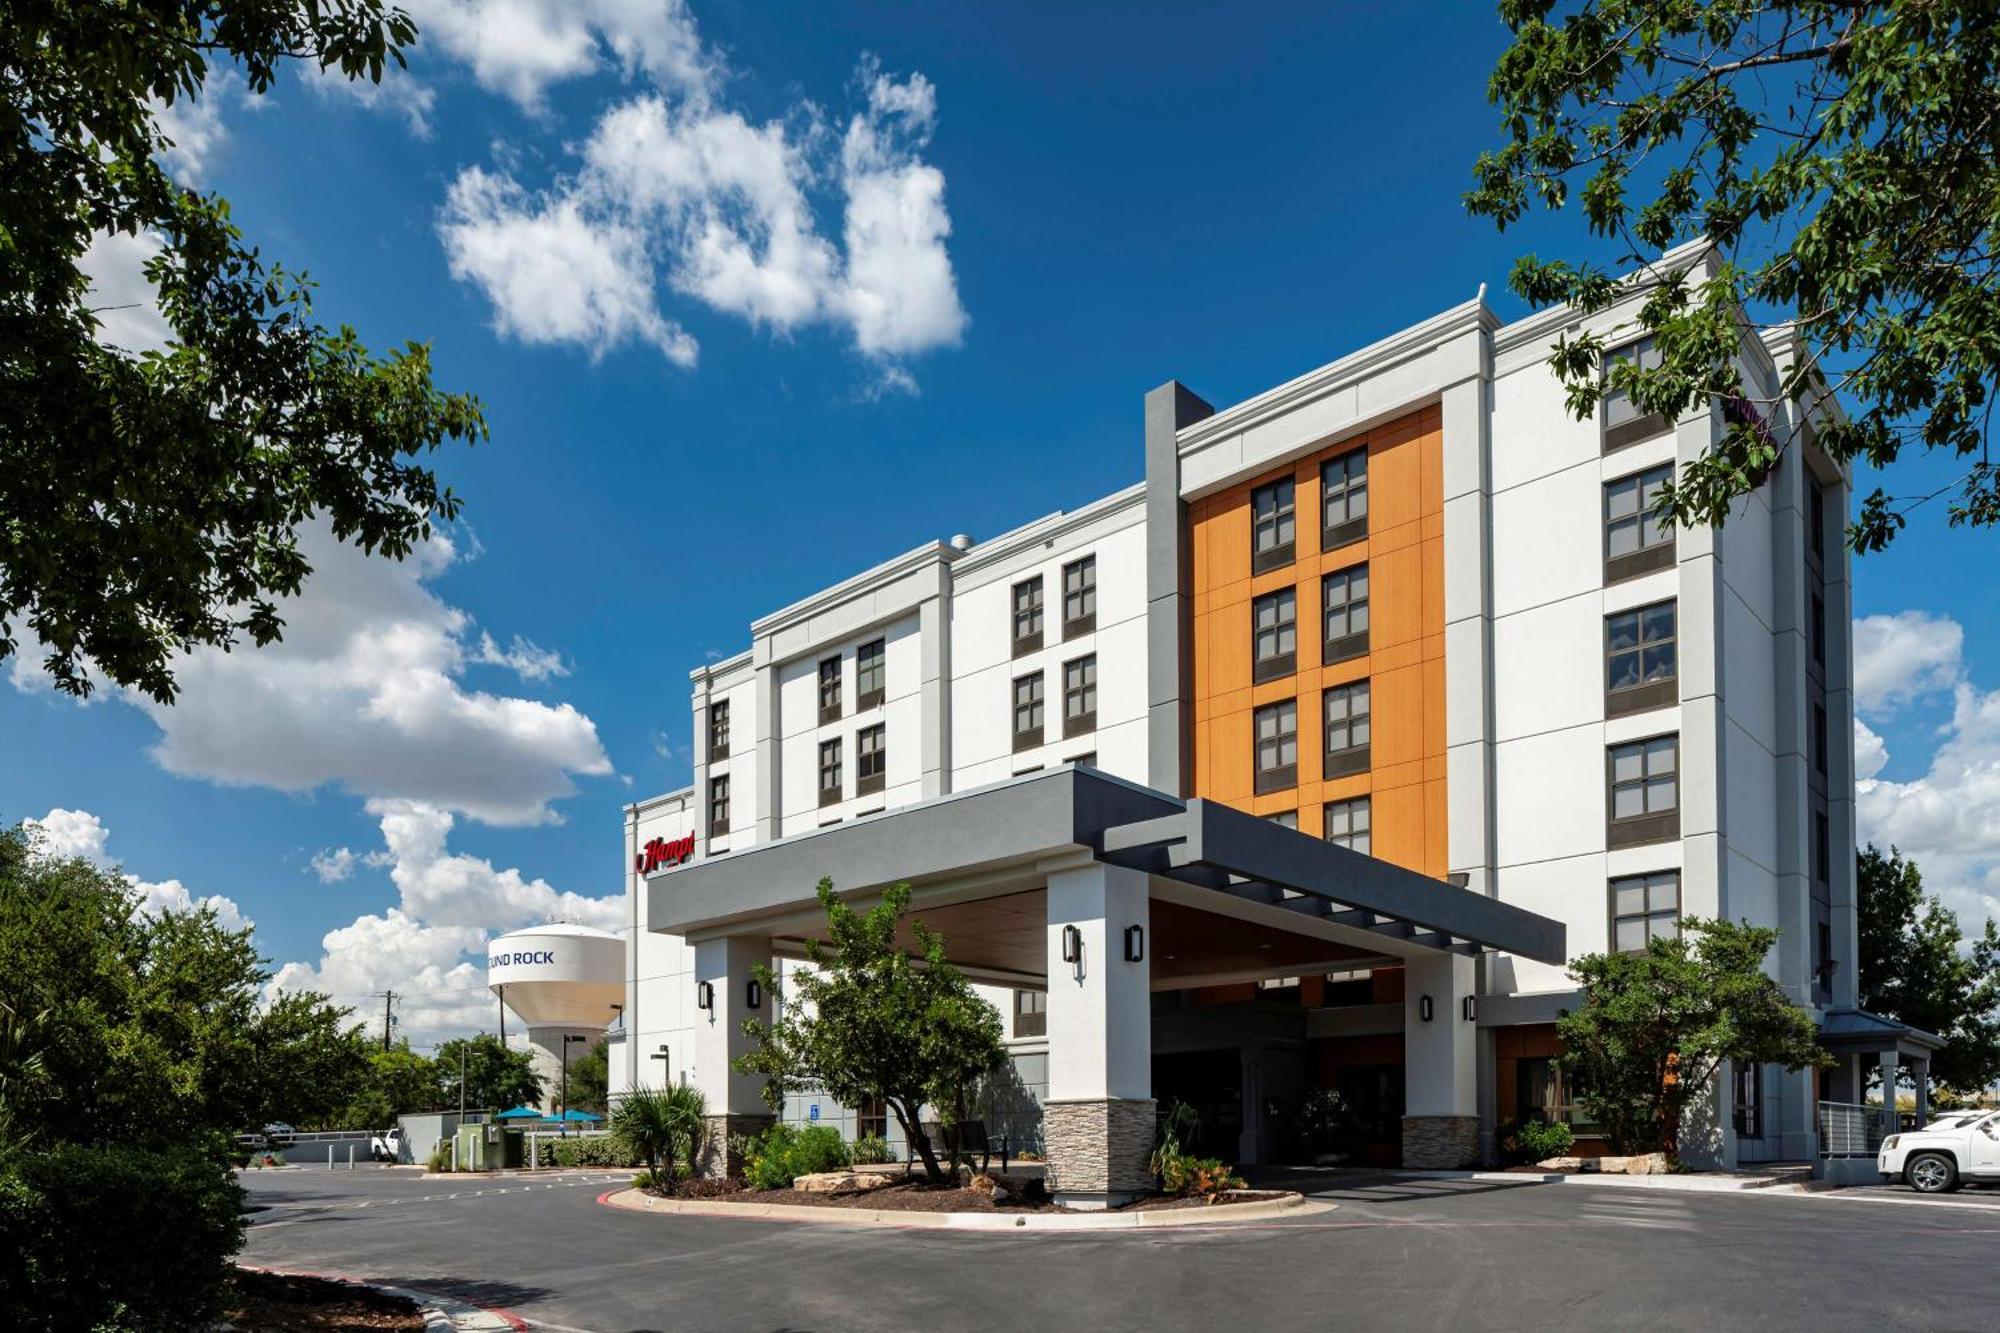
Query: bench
x=965 y=1140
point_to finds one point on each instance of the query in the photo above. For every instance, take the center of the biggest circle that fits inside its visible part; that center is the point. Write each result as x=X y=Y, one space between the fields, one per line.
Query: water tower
x=560 y=981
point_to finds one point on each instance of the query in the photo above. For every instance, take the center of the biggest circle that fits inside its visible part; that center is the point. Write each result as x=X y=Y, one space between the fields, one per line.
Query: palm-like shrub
x=658 y=1125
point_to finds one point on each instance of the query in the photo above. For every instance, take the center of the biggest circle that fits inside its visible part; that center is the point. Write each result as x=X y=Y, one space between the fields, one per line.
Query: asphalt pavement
x=1399 y=1253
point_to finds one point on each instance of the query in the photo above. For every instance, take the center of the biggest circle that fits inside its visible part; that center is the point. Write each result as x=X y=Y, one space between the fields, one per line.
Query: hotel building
x=1308 y=760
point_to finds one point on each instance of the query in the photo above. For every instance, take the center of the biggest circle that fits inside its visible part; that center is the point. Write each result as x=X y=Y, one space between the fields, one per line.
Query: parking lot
x=1399 y=1253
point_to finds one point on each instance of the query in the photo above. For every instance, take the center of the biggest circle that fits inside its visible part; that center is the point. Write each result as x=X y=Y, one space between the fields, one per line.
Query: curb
x=441 y=1314
x=1694 y=1183
x=1290 y=1204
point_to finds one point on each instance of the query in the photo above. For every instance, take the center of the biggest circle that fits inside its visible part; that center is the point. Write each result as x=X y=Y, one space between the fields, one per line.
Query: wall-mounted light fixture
x=1425 y=1009
x=1072 y=944
x=753 y=994
x=1470 y=1008
x=1135 y=944
x=704 y=995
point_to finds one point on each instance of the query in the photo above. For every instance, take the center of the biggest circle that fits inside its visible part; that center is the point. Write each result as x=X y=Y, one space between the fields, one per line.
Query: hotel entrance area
x=1173 y=941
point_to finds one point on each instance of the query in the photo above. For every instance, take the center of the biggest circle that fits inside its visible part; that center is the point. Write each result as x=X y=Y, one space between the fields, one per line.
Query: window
x=1645 y=907
x=1635 y=540
x=1819 y=739
x=1347 y=825
x=1277 y=728
x=1815 y=521
x=1819 y=630
x=829 y=690
x=1640 y=659
x=1271 y=526
x=1346 y=729
x=1285 y=819
x=1343 y=500
x=718 y=729
x=1645 y=791
x=1748 y=1085
x=1031 y=1013
x=871 y=1117
x=1822 y=849
x=1080 y=696
x=718 y=806
x=1823 y=964
x=1345 y=595
x=1274 y=621
x=871 y=759
x=870 y=674
x=1079 y=597
x=1028 y=615
x=1027 y=712
x=829 y=772
x=1539 y=1091
x=1624 y=423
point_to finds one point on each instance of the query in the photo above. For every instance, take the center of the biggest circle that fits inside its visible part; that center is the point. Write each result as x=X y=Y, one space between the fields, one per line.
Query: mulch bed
x=912 y=1196
x=281 y=1303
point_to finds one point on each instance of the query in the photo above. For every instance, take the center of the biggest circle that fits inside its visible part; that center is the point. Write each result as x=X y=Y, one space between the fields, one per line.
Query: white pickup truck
x=1943 y=1155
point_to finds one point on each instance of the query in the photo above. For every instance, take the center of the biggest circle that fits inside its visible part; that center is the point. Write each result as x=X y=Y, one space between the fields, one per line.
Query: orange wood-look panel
x=1404 y=552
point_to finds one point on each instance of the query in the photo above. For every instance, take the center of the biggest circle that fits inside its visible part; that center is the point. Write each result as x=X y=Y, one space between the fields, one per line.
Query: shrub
x=1188 y=1177
x=785 y=1152
x=1537 y=1140
x=656 y=1126
x=115 y=1239
x=440 y=1157
x=871 y=1148
x=590 y=1150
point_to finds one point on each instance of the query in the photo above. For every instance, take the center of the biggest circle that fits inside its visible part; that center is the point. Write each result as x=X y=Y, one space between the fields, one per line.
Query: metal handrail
x=1850 y=1129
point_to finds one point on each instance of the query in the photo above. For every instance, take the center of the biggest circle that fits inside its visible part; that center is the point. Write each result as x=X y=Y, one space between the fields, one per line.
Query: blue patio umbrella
x=575 y=1116
x=522 y=1113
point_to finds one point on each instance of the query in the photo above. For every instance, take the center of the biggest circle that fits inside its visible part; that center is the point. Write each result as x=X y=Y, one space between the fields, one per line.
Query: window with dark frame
x=1819 y=739
x=870 y=674
x=871 y=759
x=1635 y=540
x=1274 y=634
x=1277 y=736
x=1344 y=602
x=1624 y=422
x=1645 y=907
x=1027 y=712
x=1285 y=819
x=829 y=689
x=1079 y=596
x=1641 y=659
x=1031 y=1013
x=1347 y=729
x=1348 y=825
x=1819 y=630
x=829 y=772
x=718 y=805
x=1080 y=696
x=871 y=1118
x=1822 y=848
x=1343 y=496
x=1028 y=615
x=1815 y=521
x=1272 y=525
x=1748 y=1101
x=1644 y=798
x=718 y=729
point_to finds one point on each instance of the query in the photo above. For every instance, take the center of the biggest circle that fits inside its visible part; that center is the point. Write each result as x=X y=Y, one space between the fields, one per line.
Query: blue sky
x=979 y=236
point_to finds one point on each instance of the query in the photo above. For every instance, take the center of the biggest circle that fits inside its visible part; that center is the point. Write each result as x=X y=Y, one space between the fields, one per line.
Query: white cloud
x=127 y=305
x=1898 y=658
x=520 y=47
x=674 y=188
x=333 y=866
x=399 y=93
x=553 y=274
x=193 y=125
x=1949 y=818
x=430 y=947
x=364 y=692
x=63 y=834
x=525 y=659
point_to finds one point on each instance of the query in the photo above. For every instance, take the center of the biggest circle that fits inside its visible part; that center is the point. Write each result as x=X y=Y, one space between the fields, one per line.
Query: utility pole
x=461 y=1081
x=563 y=1097
x=388 y=1006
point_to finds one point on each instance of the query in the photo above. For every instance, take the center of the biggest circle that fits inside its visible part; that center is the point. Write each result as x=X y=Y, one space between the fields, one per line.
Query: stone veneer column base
x=718 y=1159
x=1440 y=1142
x=1097 y=1149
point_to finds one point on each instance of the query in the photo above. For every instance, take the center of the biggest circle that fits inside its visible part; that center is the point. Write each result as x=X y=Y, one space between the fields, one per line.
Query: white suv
x=1941 y=1156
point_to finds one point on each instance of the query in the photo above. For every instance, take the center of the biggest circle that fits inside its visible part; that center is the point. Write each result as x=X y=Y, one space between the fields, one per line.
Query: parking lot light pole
x=562 y=1105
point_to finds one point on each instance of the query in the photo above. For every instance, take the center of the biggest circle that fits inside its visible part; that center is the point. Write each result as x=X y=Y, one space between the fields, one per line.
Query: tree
x=1916 y=969
x=495 y=1076
x=310 y=1058
x=1839 y=155
x=868 y=1021
x=1655 y=1027
x=590 y=1077
x=151 y=501
x=399 y=1081
x=659 y=1124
